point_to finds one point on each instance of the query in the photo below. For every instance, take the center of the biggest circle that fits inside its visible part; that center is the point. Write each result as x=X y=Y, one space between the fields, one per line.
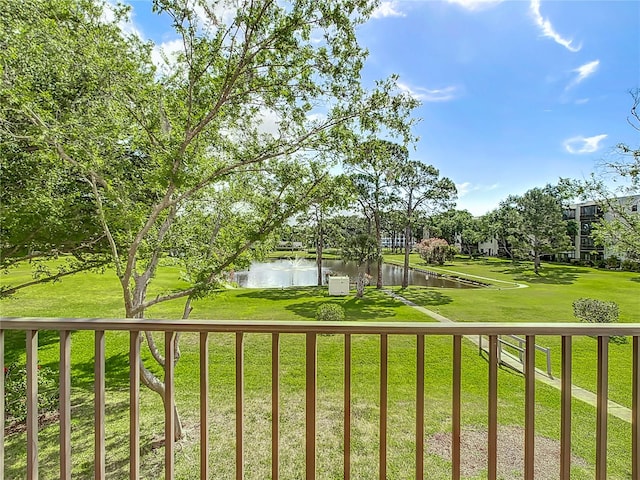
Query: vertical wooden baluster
x=32 y=404
x=635 y=410
x=134 y=405
x=311 y=373
x=169 y=405
x=2 y=403
x=383 y=404
x=493 y=408
x=275 y=406
x=64 y=408
x=239 y=405
x=204 y=405
x=455 y=427
x=99 y=415
x=420 y=407
x=602 y=408
x=565 y=419
x=347 y=406
x=530 y=407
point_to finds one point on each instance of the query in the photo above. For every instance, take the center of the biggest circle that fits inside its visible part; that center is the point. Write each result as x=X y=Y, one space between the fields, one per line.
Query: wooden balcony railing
x=311 y=330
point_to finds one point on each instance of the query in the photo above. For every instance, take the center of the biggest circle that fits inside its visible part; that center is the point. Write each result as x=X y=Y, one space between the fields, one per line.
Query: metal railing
x=509 y=342
x=311 y=330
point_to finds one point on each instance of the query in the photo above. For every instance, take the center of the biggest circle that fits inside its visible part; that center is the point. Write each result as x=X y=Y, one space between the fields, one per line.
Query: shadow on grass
x=425 y=297
x=117 y=465
x=374 y=306
x=116 y=368
x=15 y=343
x=636 y=279
x=370 y=307
x=279 y=294
x=556 y=275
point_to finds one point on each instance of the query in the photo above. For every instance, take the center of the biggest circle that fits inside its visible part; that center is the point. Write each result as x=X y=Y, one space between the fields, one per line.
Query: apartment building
x=586 y=215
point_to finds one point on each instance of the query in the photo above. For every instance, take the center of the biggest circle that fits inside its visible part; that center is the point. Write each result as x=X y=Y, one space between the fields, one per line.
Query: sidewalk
x=615 y=409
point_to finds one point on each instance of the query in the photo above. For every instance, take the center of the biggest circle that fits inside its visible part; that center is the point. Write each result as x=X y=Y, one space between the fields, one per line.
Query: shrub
x=612 y=262
x=330 y=312
x=435 y=250
x=596 y=311
x=630 y=266
x=15 y=387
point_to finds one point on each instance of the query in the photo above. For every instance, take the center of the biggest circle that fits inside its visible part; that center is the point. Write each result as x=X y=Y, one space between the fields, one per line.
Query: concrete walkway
x=615 y=409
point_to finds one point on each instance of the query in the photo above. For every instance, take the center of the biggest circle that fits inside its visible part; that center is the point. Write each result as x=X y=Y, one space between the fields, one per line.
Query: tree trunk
x=360 y=283
x=379 y=251
x=407 y=250
x=536 y=263
x=319 y=262
x=319 y=248
x=154 y=384
x=147 y=377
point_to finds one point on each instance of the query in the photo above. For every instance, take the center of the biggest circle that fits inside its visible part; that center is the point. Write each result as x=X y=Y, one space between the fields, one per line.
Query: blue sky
x=515 y=93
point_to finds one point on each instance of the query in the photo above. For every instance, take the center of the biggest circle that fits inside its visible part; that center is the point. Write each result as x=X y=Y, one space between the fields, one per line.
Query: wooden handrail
x=356 y=328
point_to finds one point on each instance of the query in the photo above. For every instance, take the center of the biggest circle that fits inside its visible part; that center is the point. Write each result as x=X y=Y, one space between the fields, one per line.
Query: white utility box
x=339 y=286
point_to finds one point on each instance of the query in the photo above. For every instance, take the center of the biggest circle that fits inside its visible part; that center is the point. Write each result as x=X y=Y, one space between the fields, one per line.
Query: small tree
x=361 y=248
x=435 y=250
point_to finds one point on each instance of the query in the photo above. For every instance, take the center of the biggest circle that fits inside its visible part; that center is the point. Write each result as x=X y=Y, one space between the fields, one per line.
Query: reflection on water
x=301 y=272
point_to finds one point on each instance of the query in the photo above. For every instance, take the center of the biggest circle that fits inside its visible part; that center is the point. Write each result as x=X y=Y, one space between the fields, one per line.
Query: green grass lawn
x=93 y=295
x=547 y=298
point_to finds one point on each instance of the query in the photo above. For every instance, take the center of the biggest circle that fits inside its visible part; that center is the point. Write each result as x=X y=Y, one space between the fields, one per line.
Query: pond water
x=302 y=272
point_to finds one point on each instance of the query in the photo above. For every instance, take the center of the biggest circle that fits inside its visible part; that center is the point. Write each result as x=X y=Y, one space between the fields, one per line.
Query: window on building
x=586 y=242
x=593 y=211
x=634 y=208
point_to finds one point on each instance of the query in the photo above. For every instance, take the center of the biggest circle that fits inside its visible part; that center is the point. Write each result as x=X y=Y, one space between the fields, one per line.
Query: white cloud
x=547 y=29
x=429 y=95
x=269 y=122
x=165 y=49
x=463 y=188
x=126 y=25
x=215 y=15
x=387 y=9
x=581 y=144
x=585 y=71
x=467 y=187
x=475 y=4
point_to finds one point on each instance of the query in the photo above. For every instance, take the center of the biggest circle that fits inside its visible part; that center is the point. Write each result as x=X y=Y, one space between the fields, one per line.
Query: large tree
x=418 y=187
x=541 y=227
x=333 y=193
x=179 y=160
x=372 y=166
